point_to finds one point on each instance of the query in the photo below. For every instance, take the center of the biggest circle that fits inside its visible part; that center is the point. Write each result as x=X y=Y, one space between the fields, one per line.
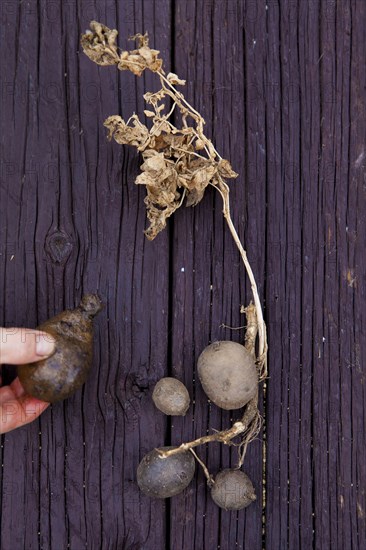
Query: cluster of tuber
x=229 y=377
x=179 y=162
x=66 y=370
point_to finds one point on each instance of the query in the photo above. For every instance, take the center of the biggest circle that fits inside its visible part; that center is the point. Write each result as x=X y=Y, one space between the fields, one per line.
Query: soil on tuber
x=66 y=370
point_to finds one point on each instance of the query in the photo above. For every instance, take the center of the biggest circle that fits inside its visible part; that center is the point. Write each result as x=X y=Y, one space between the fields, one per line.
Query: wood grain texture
x=315 y=400
x=72 y=474
x=282 y=86
x=209 y=284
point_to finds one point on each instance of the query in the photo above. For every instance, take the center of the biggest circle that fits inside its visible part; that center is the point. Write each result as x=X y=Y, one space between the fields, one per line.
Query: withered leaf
x=172 y=168
x=137 y=61
x=225 y=169
x=199 y=144
x=99 y=44
x=202 y=178
x=155 y=163
x=137 y=135
x=153 y=98
x=160 y=126
x=174 y=79
x=131 y=62
x=157 y=218
x=141 y=39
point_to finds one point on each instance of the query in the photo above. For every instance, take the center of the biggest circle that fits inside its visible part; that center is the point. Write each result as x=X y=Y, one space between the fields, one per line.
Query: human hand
x=19 y=346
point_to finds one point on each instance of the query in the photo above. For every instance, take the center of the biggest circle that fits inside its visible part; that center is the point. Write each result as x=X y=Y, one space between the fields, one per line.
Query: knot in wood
x=59 y=247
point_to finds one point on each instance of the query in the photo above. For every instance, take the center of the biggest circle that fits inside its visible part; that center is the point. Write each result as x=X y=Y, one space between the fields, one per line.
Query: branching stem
x=171 y=162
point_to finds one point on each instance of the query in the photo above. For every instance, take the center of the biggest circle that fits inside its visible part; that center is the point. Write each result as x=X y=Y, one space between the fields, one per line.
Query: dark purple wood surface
x=282 y=86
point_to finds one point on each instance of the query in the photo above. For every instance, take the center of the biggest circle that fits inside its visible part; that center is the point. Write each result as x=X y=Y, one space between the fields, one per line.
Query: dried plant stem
x=179 y=98
x=209 y=477
x=262 y=348
x=224 y=437
x=223 y=189
x=251 y=328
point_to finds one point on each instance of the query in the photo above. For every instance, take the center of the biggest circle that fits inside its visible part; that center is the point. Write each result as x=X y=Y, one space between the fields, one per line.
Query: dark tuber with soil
x=165 y=477
x=66 y=370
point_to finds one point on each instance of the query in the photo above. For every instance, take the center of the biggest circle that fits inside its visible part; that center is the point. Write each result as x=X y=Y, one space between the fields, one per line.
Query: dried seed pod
x=171 y=396
x=61 y=374
x=232 y=490
x=228 y=374
x=160 y=477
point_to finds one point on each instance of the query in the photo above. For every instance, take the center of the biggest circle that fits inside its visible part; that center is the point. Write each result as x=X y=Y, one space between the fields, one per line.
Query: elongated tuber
x=61 y=374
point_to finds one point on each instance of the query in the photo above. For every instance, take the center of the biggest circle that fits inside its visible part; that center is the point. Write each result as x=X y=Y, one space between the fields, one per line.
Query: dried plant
x=179 y=163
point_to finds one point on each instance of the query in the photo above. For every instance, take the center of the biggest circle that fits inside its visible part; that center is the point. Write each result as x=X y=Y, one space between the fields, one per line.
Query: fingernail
x=45 y=345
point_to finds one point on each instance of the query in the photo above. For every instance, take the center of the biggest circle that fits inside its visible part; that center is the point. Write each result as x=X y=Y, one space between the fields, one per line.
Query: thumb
x=23 y=345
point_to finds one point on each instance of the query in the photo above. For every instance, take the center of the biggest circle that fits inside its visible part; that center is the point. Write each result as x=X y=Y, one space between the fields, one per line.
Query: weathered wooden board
x=74 y=222
x=282 y=86
x=213 y=57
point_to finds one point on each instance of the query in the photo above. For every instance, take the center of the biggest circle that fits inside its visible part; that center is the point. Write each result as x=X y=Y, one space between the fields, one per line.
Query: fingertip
x=45 y=344
x=19 y=346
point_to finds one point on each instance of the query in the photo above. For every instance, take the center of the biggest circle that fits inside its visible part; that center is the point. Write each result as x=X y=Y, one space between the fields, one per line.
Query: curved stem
x=179 y=95
x=239 y=427
x=224 y=191
x=209 y=477
x=181 y=101
x=262 y=333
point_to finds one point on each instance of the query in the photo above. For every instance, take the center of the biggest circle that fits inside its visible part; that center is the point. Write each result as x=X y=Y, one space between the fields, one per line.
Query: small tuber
x=171 y=396
x=232 y=490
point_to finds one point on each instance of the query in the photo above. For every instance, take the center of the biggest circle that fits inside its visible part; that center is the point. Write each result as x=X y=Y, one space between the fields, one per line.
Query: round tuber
x=171 y=396
x=160 y=477
x=228 y=374
x=232 y=490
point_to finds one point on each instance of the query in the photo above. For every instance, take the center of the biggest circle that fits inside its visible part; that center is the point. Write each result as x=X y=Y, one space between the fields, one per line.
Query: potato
x=232 y=490
x=66 y=370
x=228 y=374
x=160 y=477
x=171 y=396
